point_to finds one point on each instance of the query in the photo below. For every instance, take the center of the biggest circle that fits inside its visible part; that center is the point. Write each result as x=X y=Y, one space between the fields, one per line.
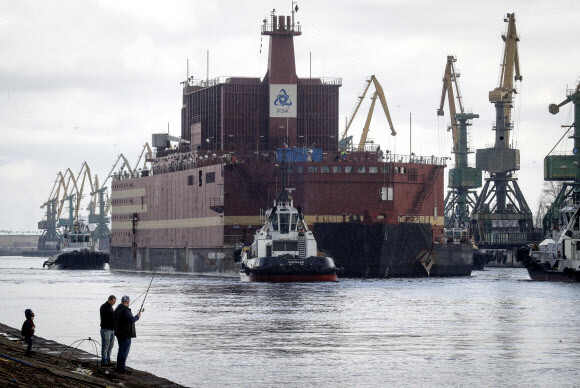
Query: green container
x=559 y=167
x=467 y=177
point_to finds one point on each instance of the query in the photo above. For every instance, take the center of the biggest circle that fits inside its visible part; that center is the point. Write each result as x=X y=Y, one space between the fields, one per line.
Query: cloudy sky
x=86 y=80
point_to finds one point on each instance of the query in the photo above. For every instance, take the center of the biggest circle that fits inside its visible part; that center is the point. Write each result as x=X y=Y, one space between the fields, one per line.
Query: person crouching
x=124 y=331
x=27 y=331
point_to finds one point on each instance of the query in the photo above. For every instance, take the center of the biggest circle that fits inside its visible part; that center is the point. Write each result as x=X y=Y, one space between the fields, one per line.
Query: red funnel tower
x=281 y=79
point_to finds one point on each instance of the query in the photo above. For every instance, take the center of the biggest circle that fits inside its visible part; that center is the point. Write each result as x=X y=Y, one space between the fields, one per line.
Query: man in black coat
x=124 y=331
x=107 y=330
x=27 y=331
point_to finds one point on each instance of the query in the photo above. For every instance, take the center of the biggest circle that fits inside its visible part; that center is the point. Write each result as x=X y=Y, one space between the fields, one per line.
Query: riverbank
x=61 y=365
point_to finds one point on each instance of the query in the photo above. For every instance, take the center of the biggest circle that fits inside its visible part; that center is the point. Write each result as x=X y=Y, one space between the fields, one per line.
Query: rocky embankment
x=54 y=364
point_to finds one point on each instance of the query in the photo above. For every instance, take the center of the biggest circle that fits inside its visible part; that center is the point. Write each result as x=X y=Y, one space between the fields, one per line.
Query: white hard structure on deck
x=284 y=233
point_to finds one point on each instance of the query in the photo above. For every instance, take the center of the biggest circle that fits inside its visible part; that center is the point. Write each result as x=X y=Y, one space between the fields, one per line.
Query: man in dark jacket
x=107 y=330
x=124 y=331
x=27 y=331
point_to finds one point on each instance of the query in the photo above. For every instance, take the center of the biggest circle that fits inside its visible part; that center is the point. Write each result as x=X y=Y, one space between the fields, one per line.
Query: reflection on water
x=491 y=329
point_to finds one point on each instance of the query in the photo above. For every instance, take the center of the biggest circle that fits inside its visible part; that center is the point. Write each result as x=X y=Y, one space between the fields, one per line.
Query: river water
x=494 y=328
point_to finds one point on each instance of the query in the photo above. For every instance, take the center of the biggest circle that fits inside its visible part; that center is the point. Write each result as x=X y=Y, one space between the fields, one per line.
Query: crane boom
x=510 y=62
x=555 y=108
x=383 y=100
x=449 y=81
x=358 y=104
x=365 y=132
x=380 y=94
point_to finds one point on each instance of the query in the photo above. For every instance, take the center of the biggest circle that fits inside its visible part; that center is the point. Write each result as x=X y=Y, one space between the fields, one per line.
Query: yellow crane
x=381 y=95
x=510 y=62
x=449 y=82
x=501 y=217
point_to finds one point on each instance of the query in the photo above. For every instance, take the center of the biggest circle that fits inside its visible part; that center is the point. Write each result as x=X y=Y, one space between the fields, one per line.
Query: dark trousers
x=28 y=340
x=124 y=346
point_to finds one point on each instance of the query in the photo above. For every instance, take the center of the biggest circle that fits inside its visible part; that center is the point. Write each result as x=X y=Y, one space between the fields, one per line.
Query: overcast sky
x=85 y=80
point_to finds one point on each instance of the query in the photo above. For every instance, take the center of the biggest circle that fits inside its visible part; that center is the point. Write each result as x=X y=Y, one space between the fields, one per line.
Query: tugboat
x=556 y=258
x=77 y=251
x=284 y=249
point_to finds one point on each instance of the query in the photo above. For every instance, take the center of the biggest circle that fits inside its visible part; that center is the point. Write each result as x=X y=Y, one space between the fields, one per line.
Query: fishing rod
x=147 y=292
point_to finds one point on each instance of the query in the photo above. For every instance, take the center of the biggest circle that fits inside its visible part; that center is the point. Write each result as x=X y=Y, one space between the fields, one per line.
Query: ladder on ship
x=425 y=190
x=302 y=247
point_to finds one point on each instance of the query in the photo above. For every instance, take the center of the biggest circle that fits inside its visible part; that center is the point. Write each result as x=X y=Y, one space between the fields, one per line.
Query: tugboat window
x=373 y=169
x=361 y=169
x=347 y=169
x=336 y=169
x=275 y=222
x=285 y=246
x=290 y=170
x=284 y=222
x=295 y=222
x=324 y=169
x=209 y=177
x=299 y=169
x=312 y=169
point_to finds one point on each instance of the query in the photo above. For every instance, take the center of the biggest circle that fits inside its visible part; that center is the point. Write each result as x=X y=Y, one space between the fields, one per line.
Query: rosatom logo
x=283 y=99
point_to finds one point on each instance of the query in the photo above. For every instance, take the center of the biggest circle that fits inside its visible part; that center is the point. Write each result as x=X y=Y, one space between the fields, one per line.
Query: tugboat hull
x=539 y=268
x=287 y=278
x=78 y=260
x=280 y=269
x=554 y=277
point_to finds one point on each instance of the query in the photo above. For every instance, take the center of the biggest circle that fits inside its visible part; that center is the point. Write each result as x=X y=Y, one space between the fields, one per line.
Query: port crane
x=501 y=217
x=69 y=188
x=564 y=167
x=461 y=197
x=75 y=197
x=102 y=201
x=378 y=93
x=51 y=236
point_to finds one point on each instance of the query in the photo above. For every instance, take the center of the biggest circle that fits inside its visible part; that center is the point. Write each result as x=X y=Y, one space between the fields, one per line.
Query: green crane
x=564 y=167
x=461 y=197
x=501 y=217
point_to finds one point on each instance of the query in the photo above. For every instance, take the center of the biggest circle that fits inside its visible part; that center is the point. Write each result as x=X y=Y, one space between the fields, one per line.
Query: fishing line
x=137 y=298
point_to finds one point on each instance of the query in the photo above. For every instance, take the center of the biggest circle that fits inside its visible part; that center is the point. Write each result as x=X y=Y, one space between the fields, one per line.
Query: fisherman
x=124 y=331
x=107 y=330
x=28 y=331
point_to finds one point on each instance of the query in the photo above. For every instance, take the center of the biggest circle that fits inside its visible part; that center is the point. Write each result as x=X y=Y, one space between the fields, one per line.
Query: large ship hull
x=200 y=261
x=401 y=250
x=181 y=221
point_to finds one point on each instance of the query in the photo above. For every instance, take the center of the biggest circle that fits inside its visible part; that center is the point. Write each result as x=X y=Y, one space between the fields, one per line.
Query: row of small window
x=209 y=178
x=123 y=185
x=347 y=169
x=122 y=216
x=121 y=201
